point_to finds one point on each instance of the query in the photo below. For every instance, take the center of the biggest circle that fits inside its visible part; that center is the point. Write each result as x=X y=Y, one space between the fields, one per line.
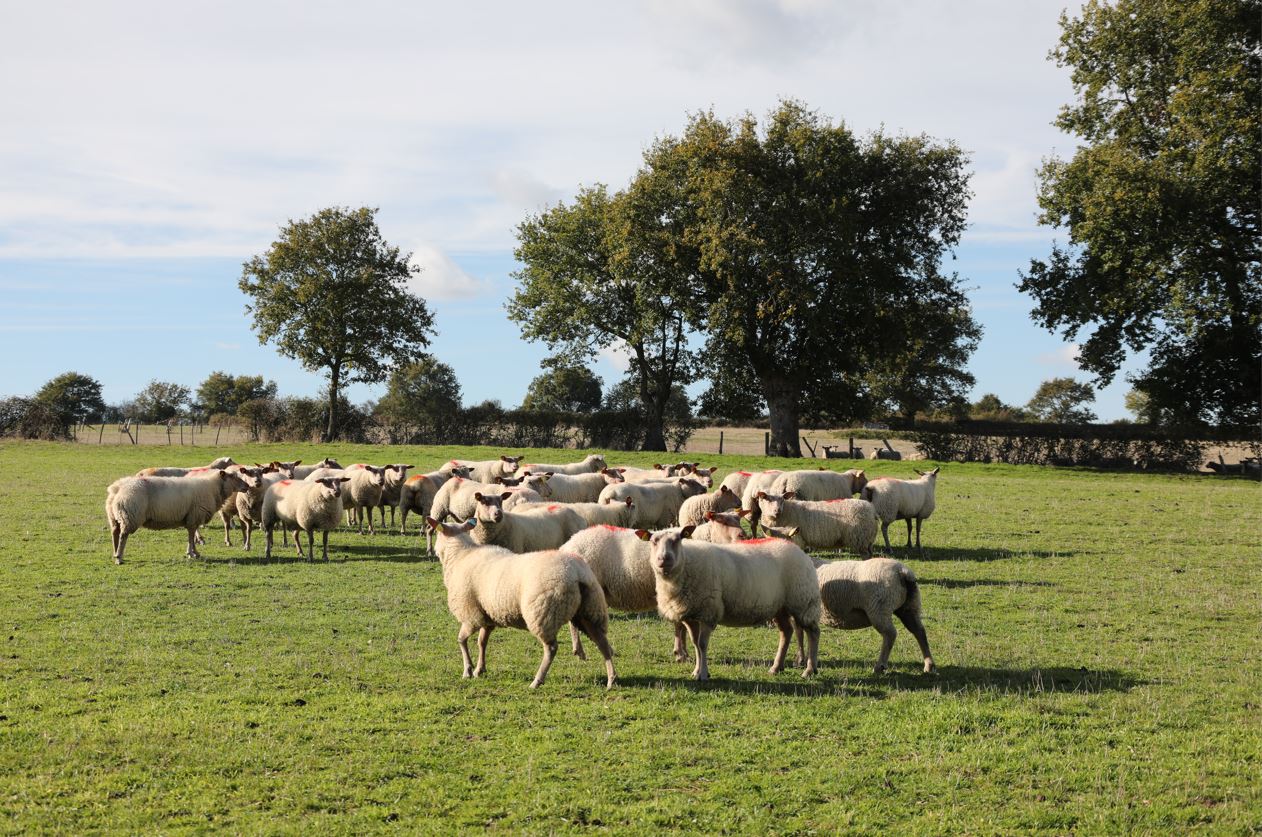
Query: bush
x=30 y=418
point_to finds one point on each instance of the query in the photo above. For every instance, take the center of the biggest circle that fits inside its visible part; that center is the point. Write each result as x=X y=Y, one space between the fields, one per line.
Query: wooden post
x=181 y=434
x=766 y=443
x=720 y=443
x=219 y=429
x=100 y=438
x=852 y=447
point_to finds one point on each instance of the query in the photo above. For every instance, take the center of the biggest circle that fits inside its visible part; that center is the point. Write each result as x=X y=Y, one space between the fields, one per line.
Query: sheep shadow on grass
x=978 y=555
x=788 y=684
x=958 y=583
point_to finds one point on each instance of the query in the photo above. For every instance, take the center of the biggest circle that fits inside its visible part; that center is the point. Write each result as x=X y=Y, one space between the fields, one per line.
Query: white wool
x=820 y=485
x=536 y=528
x=309 y=506
x=488 y=470
x=859 y=594
x=657 y=503
x=591 y=464
x=908 y=500
x=186 y=503
x=831 y=524
x=694 y=509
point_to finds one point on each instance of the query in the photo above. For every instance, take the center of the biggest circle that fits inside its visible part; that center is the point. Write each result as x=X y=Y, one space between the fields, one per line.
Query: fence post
x=100 y=438
x=766 y=443
x=720 y=443
x=852 y=447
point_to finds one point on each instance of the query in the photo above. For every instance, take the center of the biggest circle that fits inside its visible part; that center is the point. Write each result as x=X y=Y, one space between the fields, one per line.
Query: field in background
x=1097 y=638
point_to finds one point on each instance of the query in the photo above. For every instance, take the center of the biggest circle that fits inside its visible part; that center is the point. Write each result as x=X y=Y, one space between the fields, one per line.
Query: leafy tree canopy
x=73 y=397
x=332 y=294
x=1161 y=203
x=1062 y=400
x=564 y=387
x=424 y=391
x=224 y=394
x=160 y=401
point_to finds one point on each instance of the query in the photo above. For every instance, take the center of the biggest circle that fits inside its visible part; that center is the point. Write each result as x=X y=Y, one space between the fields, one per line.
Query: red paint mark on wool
x=881 y=479
x=838 y=500
x=553 y=508
x=417 y=478
x=614 y=528
x=757 y=541
x=284 y=482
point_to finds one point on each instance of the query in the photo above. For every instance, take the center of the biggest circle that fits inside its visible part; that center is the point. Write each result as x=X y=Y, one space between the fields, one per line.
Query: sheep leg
x=576 y=643
x=699 y=632
x=120 y=540
x=601 y=639
x=681 y=647
x=549 y=652
x=462 y=639
x=885 y=626
x=192 y=543
x=909 y=533
x=371 y=530
x=298 y=541
x=484 y=634
x=911 y=621
x=885 y=533
x=311 y=546
x=324 y=543
x=227 y=530
x=246 y=528
x=403 y=520
x=918 y=546
x=267 y=551
x=785 y=626
x=800 y=655
x=812 y=650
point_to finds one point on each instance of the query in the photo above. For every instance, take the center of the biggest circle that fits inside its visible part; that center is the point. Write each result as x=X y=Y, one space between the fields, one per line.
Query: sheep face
x=401 y=470
x=490 y=507
x=859 y=478
x=612 y=476
x=691 y=487
x=511 y=482
x=333 y=486
x=538 y=482
x=286 y=469
x=326 y=462
x=731 y=524
x=666 y=554
x=771 y=505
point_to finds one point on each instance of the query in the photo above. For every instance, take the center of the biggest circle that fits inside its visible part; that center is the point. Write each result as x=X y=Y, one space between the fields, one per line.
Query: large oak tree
x=332 y=294
x=1161 y=203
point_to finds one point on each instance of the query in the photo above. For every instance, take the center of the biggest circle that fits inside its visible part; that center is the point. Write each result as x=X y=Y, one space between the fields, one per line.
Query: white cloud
x=442 y=278
x=522 y=191
x=1065 y=356
x=616 y=356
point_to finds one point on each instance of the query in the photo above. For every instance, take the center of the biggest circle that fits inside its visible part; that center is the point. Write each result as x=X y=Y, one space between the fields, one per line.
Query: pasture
x=1097 y=638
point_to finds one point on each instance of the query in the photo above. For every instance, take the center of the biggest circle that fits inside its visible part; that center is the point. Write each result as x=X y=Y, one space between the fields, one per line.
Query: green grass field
x=1097 y=635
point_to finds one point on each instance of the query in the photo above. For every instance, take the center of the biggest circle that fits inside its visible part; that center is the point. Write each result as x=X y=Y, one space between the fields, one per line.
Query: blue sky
x=150 y=149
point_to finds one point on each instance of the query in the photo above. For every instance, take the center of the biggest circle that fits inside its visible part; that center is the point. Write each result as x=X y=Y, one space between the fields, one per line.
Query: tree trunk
x=330 y=432
x=782 y=406
x=654 y=435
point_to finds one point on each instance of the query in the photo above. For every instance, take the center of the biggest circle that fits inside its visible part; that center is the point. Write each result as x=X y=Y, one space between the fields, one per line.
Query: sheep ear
x=918 y=471
x=432 y=524
x=505 y=459
x=936 y=470
x=621 y=470
x=643 y=534
x=687 y=531
x=793 y=531
x=500 y=480
x=548 y=476
x=629 y=501
x=468 y=524
x=505 y=496
x=743 y=512
x=477 y=496
x=789 y=495
x=860 y=474
x=709 y=515
x=762 y=495
x=297 y=462
x=343 y=479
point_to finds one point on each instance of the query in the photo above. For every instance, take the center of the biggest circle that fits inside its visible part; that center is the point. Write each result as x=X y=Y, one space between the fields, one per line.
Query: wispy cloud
x=442 y=278
x=1066 y=357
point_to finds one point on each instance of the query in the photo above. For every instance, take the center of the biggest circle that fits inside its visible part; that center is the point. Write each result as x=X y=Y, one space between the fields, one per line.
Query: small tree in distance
x=1062 y=400
x=333 y=295
x=160 y=401
x=564 y=387
x=73 y=397
x=422 y=393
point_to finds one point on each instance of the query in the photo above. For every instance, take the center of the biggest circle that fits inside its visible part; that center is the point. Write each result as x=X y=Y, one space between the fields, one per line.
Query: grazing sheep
x=749 y=497
x=694 y=509
x=721 y=528
x=490 y=587
x=166 y=503
x=704 y=585
x=486 y=470
x=544 y=527
x=819 y=484
x=418 y=492
x=861 y=594
x=656 y=503
x=301 y=472
x=620 y=561
x=908 y=500
x=455 y=498
x=306 y=505
x=220 y=464
x=831 y=524
x=248 y=505
x=364 y=491
x=566 y=488
x=391 y=491
x=593 y=463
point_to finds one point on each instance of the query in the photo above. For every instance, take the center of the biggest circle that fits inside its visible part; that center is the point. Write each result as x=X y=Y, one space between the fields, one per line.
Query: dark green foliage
x=677 y=421
x=30 y=418
x=73 y=397
x=159 y=401
x=332 y=294
x=223 y=394
x=730 y=396
x=1161 y=203
x=421 y=402
x=1062 y=400
x=565 y=388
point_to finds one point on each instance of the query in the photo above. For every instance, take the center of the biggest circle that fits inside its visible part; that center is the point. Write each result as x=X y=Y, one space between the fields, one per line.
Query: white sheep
x=363 y=493
x=305 y=505
x=301 y=472
x=258 y=474
x=694 y=509
x=909 y=500
x=418 y=492
x=132 y=503
x=220 y=464
x=391 y=491
x=593 y=514
x=819 y=484
x=486 y=470
x=573 y=488
x=620 y=561
x=704 y=585
x=861 y=594
x=490 y=587
x=831 y=524
x=736 y=482
x=761 y=481
x=721 y=527
x=455 y=498
x=656 y=503
x=593 y=463
x=530 y=530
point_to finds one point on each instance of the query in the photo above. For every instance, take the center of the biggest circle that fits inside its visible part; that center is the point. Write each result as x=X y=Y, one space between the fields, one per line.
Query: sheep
x=593 y=514
x=546 y=527
x=306 y=505
x=417 y=495
x=219 y=464
x=166 y=503
x=391 y=490
x=620 y=561
x=909 y=500
x=657 y=472
x=301 y=472
x=490 y=587
x=656 y=503
x=859 y=594
x=721 y=528
x=831 y=524
x=593 y=463
x=487 y=470
x=455 y=497
x=566 y=488
x=819 y=484
x=704 y=585
x=694 y=509
x=248 y=505
x=757 y=482
x=228 y=510
x=736 y=481
x=364 y=492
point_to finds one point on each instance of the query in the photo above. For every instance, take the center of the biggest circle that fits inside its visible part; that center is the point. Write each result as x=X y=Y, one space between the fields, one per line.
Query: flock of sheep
x=541 y=546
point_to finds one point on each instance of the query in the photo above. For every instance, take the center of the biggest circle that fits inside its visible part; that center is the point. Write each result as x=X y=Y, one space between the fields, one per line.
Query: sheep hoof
x=775 y=669
x=117 y=560
x=930 y=668
x=580 y=653
x=610 y=683
x=878 y=669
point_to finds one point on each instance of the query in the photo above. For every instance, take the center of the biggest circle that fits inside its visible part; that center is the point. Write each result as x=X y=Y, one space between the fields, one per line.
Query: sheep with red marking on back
x=761 y=481
x=820 y=484
x=363 y=492
x=309 y=506
x=486 y=470
x=895 y=499
x=574 y=488
x=694 y=509
x=593 y=463
x=657 y=503
x=537 y=528
x=220 y=464
x=721 y=527
x=831 y=524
